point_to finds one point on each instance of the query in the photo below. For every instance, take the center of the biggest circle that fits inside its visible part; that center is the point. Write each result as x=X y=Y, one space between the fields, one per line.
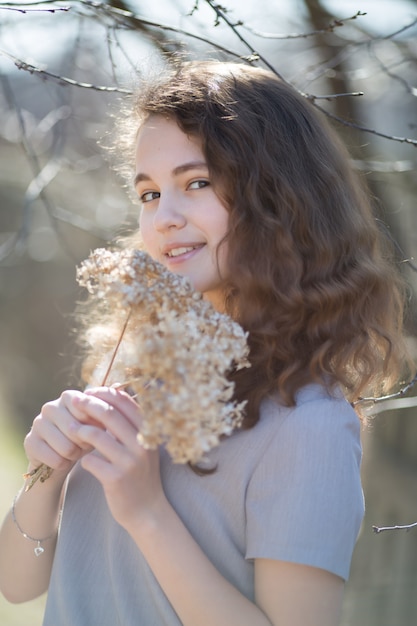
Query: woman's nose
x=169 y=213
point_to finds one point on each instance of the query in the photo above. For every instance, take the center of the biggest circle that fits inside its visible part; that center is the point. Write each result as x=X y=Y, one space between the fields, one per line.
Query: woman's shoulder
x=317 y=410
x=321 y=422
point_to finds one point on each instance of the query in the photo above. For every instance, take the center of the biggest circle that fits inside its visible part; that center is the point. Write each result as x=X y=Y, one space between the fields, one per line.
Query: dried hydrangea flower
x=176 y=351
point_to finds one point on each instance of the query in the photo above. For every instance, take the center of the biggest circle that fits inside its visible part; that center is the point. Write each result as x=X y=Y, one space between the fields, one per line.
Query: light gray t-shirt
x=288 y=489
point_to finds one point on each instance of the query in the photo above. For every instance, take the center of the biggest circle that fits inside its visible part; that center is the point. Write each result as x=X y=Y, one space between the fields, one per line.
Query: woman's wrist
x=145 y=524
x=36 y=509
x=38 y=548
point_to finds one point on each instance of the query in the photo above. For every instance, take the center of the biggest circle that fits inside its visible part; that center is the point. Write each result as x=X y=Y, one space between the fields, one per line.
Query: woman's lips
x=179 y=254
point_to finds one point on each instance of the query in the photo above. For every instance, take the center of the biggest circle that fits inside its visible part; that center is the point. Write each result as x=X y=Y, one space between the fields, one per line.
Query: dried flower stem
x=43 y=472
x=119 y=341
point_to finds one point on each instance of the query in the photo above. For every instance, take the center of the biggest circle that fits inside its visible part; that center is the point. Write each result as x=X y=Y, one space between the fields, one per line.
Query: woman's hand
x=53 y=438
x=128 y=473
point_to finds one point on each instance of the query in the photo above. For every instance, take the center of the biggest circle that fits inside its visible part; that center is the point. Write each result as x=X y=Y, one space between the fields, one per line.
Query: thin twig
x=337 y=23
x=351 y=48
x=20 y=9
x=118 y=44
x=399 y=31
x=398 y=404
x=398 y=394
x=220 y=14
x=113 y=63
x=33 y=69
x=396 y=167
x=381 y=529
x=28 y=4
x=407 y=260
x=312 y=97
x=365 y=129
x=134 y=17
x=411 y=90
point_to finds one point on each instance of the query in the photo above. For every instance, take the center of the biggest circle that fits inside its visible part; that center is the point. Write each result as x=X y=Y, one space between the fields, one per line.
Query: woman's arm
x=286 y=594
x=23 y=575
x=53 y=441
x=298 y=595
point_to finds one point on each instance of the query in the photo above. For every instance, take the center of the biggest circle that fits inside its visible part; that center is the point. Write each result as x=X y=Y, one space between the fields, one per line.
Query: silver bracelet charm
x=38 y=550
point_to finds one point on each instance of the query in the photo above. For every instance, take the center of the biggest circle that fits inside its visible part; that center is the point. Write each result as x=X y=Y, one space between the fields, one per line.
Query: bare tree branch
x=385 y=166
x=409 y=88
x=253 y=57
x=337 y=23
x=109 y=33
x=381 y=529
x=352 y=48
x=80 y=222
x=376 y=400
x=221 y=15
x=36 y=189
x=312 y=97
x=399 y=31
x=122 y=49
x=33 y=69
x=158 y=25
x=23 y=8
x=365 y=129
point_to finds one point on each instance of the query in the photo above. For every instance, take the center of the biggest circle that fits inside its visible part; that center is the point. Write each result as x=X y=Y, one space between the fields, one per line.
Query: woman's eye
x=148 y=196
x=198 y=184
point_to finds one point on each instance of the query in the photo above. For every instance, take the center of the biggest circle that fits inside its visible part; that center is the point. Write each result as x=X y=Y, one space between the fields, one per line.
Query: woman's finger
x=120 y=400
x=52 y=449
x=110 y=450
x=108 y=418
x=61 y=415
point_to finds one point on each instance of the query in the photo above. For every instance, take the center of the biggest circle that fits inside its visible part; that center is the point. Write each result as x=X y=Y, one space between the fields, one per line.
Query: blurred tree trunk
x=350 y=109
x=347 y=108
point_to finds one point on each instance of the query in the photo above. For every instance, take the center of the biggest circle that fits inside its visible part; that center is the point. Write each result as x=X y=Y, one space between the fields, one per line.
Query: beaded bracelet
x=38 y=550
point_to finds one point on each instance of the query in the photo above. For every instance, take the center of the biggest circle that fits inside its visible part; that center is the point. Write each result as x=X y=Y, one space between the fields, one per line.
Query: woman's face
x=182 y=221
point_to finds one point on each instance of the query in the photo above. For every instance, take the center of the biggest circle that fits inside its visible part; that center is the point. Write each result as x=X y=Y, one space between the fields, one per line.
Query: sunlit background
x=59 y=199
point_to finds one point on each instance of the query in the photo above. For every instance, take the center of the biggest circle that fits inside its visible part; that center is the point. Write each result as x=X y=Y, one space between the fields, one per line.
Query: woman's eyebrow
x=180 y=169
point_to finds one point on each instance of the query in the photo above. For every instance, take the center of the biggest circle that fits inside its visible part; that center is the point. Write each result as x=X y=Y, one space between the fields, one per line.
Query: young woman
x=246 y=191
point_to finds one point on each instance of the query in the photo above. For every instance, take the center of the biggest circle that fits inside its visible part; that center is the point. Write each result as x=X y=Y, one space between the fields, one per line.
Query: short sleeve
x=304 y=501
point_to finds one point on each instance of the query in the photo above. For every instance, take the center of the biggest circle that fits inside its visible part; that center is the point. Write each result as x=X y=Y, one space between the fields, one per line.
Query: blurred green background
x=59 y=199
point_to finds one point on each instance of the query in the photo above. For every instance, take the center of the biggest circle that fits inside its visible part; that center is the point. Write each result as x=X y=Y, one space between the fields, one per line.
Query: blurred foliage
x=64 y=66
x=12 y=463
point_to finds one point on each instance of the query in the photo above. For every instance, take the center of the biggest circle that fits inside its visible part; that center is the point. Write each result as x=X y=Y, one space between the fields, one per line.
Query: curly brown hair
x=311 y=275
